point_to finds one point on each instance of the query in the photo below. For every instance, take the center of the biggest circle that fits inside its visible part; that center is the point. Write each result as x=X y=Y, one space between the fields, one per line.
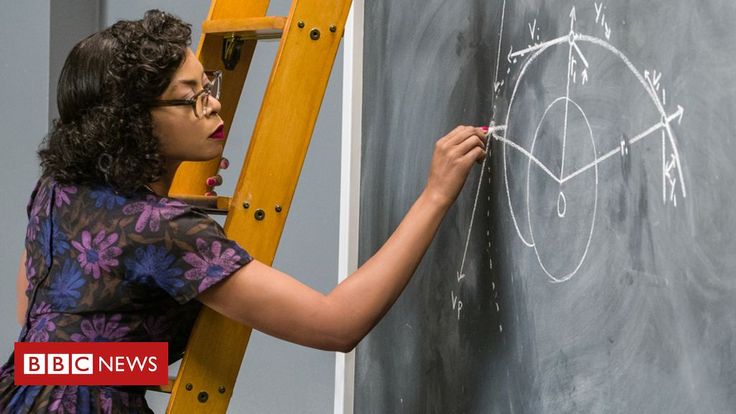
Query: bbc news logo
x=91 y=363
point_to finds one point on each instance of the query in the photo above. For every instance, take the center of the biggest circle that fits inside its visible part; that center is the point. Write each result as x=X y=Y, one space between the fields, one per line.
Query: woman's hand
x=216 y=180
x=454 y=154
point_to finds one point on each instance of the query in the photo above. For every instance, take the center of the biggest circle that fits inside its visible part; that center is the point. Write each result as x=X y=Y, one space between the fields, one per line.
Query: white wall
x=24 y=80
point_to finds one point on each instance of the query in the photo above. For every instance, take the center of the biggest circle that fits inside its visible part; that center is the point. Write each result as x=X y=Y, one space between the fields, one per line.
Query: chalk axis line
x=498 y=133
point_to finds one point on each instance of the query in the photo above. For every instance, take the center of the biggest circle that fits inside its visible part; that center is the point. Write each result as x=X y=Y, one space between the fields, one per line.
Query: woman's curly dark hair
x=104 y=134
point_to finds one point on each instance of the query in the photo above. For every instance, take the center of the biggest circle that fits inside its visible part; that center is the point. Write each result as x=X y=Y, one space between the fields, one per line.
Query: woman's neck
x=162 y=185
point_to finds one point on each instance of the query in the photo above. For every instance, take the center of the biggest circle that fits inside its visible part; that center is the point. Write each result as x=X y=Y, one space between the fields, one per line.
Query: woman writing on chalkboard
x=108 y=257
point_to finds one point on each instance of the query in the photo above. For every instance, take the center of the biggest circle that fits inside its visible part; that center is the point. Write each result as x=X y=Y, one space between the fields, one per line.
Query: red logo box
x=91 y=363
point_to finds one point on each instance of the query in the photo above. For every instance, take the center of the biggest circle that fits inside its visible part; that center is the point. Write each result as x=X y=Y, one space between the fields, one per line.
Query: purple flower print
x=30 y=274
x=59 y=240
x=157 y=328
x=30 y=270
x=44 y=239
x=37 y=197
x=98 y=253
x=62 y=194
x=23 y=399
x=154 y=264
x=106 y=400
x=108 y=198
x=211 y=264
x=42 y=322
x=34 y=223
x=50 y=238
x=122 y=403
x=152 y=210
x=64 y=400
x=101 y=329
x=34 y=210
x=42 y=307
x=64 y=289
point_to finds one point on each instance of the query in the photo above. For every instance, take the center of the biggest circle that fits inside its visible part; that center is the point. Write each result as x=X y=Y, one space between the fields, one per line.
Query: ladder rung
x=210 y=204
x=269 y=27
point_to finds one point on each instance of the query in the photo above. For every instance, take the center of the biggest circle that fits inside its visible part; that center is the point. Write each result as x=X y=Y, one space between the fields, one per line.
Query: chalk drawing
x=672 y=182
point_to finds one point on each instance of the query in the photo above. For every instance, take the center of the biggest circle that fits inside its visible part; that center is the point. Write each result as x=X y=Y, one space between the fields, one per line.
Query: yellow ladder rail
x=257 y=211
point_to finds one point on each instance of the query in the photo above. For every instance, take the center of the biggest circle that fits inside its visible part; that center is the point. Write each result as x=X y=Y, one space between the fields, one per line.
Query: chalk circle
x=565 y=203
x=562 y=260
x=561 y=205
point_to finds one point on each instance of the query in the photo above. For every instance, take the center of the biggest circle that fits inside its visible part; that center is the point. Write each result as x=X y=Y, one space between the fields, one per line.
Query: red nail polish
x=484 y=128
x=224 y=163
x=214 y=180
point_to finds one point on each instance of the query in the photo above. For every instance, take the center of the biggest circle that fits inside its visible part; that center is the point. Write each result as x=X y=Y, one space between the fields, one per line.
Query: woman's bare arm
x=277 y=304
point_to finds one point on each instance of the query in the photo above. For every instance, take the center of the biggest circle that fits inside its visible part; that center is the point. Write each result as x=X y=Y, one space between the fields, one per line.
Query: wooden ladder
x=256 y=213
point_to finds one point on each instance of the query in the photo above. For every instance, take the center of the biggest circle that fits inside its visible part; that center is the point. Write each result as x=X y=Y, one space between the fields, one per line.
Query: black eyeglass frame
x=214 y=77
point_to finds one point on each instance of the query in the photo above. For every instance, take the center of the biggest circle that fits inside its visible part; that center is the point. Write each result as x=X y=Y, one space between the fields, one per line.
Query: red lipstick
x=219 y=133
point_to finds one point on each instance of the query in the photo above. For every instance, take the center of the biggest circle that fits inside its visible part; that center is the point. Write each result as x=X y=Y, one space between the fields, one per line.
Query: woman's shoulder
x=144 y=210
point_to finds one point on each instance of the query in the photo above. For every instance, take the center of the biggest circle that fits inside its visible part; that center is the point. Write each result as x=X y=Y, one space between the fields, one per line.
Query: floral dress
x=103 y=267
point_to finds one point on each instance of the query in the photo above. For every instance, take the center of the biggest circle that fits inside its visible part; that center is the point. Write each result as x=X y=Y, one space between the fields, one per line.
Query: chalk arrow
x=585 y=76
x=573 y=17
x=511 y=52
x=460 y=276
x=680 y=112
x=656 y=76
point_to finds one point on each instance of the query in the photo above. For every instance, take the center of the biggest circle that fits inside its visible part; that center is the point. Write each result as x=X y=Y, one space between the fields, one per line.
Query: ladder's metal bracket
x=215 y=205
x=260 y=214
x=231 y=46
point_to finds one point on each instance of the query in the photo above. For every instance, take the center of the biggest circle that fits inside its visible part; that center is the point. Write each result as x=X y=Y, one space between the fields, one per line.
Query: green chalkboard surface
x=589 y=266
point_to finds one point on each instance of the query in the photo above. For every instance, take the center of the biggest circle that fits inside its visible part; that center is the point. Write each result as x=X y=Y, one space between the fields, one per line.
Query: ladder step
x=210 y=204
x=268 y=27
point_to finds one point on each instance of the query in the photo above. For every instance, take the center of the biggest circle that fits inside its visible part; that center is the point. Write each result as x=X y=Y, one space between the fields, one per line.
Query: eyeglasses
x=200 y=102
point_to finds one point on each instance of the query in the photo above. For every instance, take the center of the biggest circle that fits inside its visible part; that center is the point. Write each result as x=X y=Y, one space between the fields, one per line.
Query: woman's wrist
x=436 y=199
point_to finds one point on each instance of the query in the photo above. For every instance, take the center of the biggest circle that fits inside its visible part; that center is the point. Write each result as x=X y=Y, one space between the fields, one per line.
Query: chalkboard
x=589 y=265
